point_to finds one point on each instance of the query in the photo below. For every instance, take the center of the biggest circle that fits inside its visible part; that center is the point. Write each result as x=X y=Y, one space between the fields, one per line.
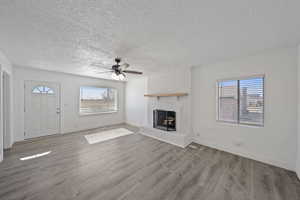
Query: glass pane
x=252 y=101
x=228 y=101
x=46 y=89
x=50 y=91
x=42 y=90
x=36 y=91
x=97 y=100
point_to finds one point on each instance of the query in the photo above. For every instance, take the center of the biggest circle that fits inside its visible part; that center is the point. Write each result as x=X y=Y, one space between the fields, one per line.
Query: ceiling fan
x=119 y=70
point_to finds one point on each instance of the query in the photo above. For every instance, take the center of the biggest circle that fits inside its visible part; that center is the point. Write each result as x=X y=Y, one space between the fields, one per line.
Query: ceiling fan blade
x=125 y=65
x=105 y=72
x=132 y=72
x=99 y=65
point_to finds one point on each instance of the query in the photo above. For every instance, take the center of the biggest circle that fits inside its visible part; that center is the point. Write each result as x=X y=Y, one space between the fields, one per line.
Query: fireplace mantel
x=179 y=94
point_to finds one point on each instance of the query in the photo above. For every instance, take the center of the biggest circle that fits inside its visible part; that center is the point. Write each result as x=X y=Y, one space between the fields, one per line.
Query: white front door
x=42 y=109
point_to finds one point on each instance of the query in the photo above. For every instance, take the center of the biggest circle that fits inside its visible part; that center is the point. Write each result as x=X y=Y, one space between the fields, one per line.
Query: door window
x=42 y=90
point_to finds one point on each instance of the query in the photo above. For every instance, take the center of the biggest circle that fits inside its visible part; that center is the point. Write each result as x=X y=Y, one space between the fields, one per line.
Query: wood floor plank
x=136 y=167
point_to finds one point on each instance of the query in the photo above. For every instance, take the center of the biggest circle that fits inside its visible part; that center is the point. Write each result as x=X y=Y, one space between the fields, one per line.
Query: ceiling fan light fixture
x=119 y=77
x=119 y=71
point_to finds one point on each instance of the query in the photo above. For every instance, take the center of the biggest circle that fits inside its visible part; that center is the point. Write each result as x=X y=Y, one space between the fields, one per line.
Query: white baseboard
x=90 y=128
x=73 y=130
x=244 y=153
x=133 y=124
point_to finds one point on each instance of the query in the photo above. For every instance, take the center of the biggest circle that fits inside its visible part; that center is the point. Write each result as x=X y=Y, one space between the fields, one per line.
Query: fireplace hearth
x=164 y=120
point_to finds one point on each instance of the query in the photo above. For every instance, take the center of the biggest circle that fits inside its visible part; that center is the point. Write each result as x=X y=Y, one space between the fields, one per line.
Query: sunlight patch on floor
x=35 y=156
x=107 y=135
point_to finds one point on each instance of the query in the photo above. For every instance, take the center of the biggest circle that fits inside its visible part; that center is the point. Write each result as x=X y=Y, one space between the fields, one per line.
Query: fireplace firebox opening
x=164 y=120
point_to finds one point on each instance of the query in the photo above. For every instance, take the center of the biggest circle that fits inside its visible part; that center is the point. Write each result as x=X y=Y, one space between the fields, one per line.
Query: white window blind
x=241 y=101
x=228 y=101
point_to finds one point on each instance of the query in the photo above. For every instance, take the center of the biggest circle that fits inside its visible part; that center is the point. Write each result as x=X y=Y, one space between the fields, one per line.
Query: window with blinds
x=241 y=101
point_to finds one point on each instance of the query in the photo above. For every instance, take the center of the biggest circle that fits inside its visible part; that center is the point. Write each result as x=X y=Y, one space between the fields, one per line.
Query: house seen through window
x=97 y=100
x=241 y=101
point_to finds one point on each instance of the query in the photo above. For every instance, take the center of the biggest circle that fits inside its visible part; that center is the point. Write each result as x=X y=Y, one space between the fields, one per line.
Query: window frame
x=98 y=113
x=238 y=102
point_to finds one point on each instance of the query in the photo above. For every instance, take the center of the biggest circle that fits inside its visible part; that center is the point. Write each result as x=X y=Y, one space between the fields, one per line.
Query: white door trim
x=1 y=116
x=7 y=110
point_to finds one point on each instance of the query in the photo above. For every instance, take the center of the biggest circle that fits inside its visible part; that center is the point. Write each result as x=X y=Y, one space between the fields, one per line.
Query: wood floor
x=137 y=167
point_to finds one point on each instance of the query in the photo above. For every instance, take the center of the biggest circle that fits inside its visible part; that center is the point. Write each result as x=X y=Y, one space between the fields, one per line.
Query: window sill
x=98 y=113
x=239 y=125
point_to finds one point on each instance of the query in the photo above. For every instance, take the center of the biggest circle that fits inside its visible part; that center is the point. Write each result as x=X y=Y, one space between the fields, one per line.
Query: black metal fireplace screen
x=164 y=120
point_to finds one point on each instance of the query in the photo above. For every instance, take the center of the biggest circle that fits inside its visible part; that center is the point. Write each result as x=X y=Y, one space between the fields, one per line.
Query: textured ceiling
x=69 y=35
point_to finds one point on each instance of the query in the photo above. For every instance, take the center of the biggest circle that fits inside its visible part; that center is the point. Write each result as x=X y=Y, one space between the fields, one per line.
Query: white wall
x=70 y=84
x=5 y=66
x=298 y=139
x=274 y=143
x=177 y=80
x=136 y=103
